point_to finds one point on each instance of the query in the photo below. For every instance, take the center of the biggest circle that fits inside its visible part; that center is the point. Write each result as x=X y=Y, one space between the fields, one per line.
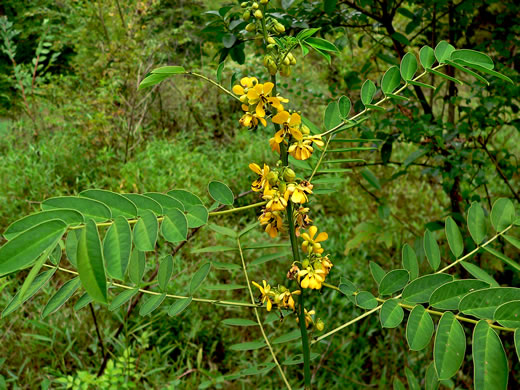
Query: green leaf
x=517 y=343
x=503 y=257
x=185 y=197
x=216 y=248
x=122 y=298
x=166 y=201
x=33 y=272
x=398 y=385
x=427 y=57
x=35 y=286
x=449 y=346
x=508 y=314
x=137 y=266
x=169 y=70
x=152 y=80
x=400 y=38
x=91 y=266
x=369 y=176
x=473 y=57
x=476 y=223
x=468 y=71
x=347 y=287
x=179 y=306
x=332 y=116
x=454 y=237
x=419 y=328
x=83 y=301
x=70 y=217
x=117 y=247
x=368 y=91
x=260 y=369
x=491 y=369
x=408 y=66
x=220 y=69
x=444 y=76
x=239 y=322
x=344 y=106
x=448 y=296
x=145 y=231
x=431 y=380
x=391 y=80
x=174 y=227
x=197 y=216
x=419 y=84
x=512 y=240
x=61 y=296
x=221 y=193
x=397 y=97
x=25 y=248
x=224 y=287
x=90 y=208
x=285 y=338
x=224 y=230
x=248 y=346
x=485 y=70
x=409 y=261
x=391 y=314
x=71 y=246
x=165 y=272
x=151 y=304
x=199 y=277
x=321 y=44
x=420 y=289
x=144 y=203
x=377 y=272
x=483 y=303
x=502 y=214
x=479 y=273
x=431 y=249
x=366 y=300
x=118 y=204
x=443 y=52
x=268 y=257
x=413 y=383
x=393 y=281
x=329 y=6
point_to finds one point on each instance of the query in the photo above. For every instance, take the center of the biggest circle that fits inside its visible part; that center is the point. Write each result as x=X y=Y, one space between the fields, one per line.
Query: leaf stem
x=244 y=268
x=214 y=83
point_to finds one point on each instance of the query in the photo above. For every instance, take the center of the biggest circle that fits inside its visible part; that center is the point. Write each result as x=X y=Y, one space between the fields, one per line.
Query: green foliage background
x=85 y=125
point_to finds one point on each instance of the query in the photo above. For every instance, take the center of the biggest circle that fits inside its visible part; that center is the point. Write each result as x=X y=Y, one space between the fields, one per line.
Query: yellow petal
x=295 y=119
x=238 y=90
x=321 y=237
x=268 y=87
x=255 y=168
x=269 y=304
x=281 y=117
x=312 y=231
x=260 y=112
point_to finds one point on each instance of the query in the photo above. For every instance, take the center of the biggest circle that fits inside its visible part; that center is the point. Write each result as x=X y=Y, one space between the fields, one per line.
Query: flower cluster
x=280 y=296
x=278 y=187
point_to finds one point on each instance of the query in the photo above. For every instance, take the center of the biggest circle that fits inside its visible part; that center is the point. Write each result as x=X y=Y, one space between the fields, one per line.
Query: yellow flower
x=285 y=298
x=251 y=120
x=275 y=146
x=311 y=244
x=290 y=124
x=312 y=278
x=259 y=183
x=308 y=317
x=302 y=219
x=241 y=90
x=273 y=222
x=298 y=192
x=266 y=292
x=326 y=264
x=276 y=201
x=302 y=149
x=260 y=95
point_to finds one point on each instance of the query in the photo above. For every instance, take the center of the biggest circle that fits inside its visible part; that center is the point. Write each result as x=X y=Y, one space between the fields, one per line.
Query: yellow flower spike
x=289 y=123
x=311 y=244
x=259 y=183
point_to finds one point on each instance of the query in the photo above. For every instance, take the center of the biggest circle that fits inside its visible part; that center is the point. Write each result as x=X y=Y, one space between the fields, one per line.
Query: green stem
x=214 y=83
x=244 y=268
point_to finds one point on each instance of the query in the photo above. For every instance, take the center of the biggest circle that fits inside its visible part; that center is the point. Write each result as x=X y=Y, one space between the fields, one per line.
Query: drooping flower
x=302 y=219
x=266 y=294
x=285 y=298
x=275 y=146
x=246 y=84
x=302 y=149
x=259 y=183
x=251 y=119
x=326 y=264
x=311 y=244
x=289 y=123
x=298 y=192
x=273 y=222
x=276 y=201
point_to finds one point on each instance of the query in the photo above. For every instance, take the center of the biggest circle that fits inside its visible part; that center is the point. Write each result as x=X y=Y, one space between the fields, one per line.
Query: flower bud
x=272 y=177
x=305 y=263
x=291 y=59
x=266 y=59
x=264 y=1
x=271 y=40
x=271 y=46
x=258 y=14
x=320 y=325
x=271 y=66
x=305 y=130
x=285 y=70
x=255 y=5
x=251 y=27
x=279 y=27
x=244 y=4
x=286 y=61
x=282 y=187
x=289 y=175
x=246 y=15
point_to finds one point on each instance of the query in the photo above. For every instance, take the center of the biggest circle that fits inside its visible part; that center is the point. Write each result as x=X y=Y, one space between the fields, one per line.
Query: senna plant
x=102 y=239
